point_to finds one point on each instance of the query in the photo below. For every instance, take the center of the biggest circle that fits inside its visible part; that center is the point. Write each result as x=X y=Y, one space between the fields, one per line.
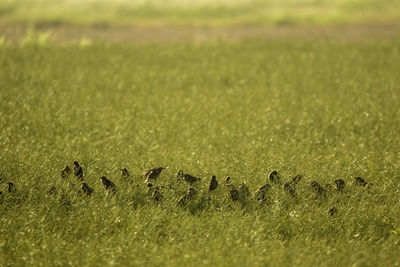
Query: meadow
x=201 y=12
x=325 y=109
x=300 y=96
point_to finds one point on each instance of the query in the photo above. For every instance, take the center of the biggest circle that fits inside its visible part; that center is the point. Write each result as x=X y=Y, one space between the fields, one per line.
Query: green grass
x=326 y=109
x=183 y=12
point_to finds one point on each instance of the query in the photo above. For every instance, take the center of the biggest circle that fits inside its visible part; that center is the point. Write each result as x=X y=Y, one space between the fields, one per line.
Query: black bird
x=154 y=192
x=86 y=189
x=297 y=178
x=339 y=184
x=152 y=174
x=11 y=187
x=318 y=188
x=234 y=193
x=53 y=191
x=332 y=211
x=124 y=173
x=227 y=181
x=179 y=175
x=274 y=177
x=157 y=196
x=244 y=190
x=184 y=200
x=291 y=186
x=360 y=181
x=108 y=184
x=213 y=184
x=65 y=172
x=78 y=171
x=261 y=192
x=190 y=178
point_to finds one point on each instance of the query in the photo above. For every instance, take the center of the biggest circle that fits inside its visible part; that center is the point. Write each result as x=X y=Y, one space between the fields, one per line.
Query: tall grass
x=325 y=109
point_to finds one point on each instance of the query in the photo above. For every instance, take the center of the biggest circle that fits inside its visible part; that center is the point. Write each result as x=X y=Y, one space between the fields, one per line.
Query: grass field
x=212 y=88
x=325 y=109
x=205 y=12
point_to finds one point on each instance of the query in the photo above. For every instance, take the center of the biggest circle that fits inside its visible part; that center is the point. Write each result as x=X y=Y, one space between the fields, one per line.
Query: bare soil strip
x=137 y=34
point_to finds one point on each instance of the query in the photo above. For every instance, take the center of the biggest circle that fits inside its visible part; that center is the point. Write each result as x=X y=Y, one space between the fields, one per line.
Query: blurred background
x=69 y=19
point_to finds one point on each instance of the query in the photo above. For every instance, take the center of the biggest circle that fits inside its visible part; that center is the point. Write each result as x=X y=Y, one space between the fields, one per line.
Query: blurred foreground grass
x=206 y=12
x=326 y=109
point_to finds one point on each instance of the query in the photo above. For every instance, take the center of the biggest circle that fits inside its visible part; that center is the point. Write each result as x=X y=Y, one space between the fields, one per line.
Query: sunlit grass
x=199 y=12
x=325 y=109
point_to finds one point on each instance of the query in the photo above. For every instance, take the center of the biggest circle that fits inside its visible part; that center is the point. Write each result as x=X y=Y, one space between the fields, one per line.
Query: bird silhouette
x=53 y=191
x=234 y=193
x=11 y=187
x=339 y=184
x=318 y=188
x=65 y=172
x=274 y=177
x=244 y=190
x=291 y=186
x=108 y=184
x=152 y=174
x=213 y=184
x=180 y=174
x=190 y=178
x=184 y=200
x=332 y=211
x=157 y=196
x=125 y=173
x=78 y=171
x=261 y=192
x=360 y=181
x=86 y=189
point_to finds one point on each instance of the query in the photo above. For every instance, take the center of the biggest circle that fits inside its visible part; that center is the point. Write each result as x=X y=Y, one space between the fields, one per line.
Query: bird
x=152 y=174
x=318 y=188
x=332 y=211
x=297 y=178
x=190 y=178
x=108 y=184
x=290 y=187
x=184 y=200
x=157 y=196
x=65 y=172
x=274 y=177
x=213 y=184
x=180 y=174
x=86 y=189
x=244 y=190
x=53 y=191
x=78 y=171
x=11 y=187
x=234 y=193
x=360 y=181
x=124 y=173
x=261 y=192
x=339 y=184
